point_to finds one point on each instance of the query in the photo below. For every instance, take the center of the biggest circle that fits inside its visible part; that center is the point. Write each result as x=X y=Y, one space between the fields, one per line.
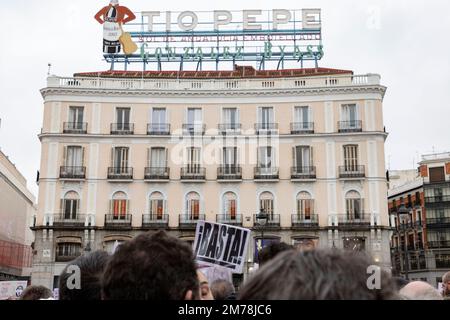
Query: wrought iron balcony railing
x=352 y=171
x=156 y=221
x=232 y=219
x=72 y=172
x=229 y=173
x=194 y=129
x=231 y=128
x=189 y=221
x=118 y=221
x=303 y=172
x=266 y=128
x=122 y=128
x=158 y=129
x=157 y=173
x=120 y=173
x=75 y=127
x=66 y=220
x=193 y=173
x=350 y=126
x=439 y=244
x=263 y=173
x=272 y=222
x=305 y=221
x=302 y=127
x=353 y=219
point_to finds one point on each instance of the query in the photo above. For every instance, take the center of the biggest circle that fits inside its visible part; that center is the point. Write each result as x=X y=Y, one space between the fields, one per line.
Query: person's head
x=419 y=290
x=151 y=267
x=446 y=284
x=318 y=275
x=400 y=282
x=222 y=289
x=205 y=291
x=271 y=251
x=90 y=267
x=114 y=2
x=36 y=293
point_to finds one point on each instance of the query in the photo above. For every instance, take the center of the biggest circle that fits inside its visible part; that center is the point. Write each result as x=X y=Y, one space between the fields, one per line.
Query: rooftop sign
x=156 y=37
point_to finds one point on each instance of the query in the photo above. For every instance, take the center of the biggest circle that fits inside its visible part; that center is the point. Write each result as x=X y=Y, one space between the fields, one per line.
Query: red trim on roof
x=239 y=72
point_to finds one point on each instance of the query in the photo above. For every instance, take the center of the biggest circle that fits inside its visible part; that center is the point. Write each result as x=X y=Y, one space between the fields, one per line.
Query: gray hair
x=419 y=290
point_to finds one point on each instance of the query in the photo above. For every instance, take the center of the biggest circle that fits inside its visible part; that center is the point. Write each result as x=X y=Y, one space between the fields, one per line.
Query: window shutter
x=149 y=157
x=61 y=208
x=167 y=158
x=311 y=156
x=82 y=156
x=65 y=156
x=112 y=156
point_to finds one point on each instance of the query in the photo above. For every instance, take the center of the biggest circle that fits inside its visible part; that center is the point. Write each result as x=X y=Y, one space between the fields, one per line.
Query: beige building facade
x=126 y=152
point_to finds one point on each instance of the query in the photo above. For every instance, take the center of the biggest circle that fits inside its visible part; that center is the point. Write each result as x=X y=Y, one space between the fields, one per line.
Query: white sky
x=405 y=41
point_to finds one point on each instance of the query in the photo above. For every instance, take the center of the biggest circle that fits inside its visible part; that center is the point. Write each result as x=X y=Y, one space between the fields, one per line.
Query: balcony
x=155 y=221
x=272 y=222
x=158 y=129
x=235 y=220
x=439 y=244
x=118 y=222
x=266 y=174
x=194 y=129
x=157 y=173
x=74 y=173
x=303 y=173
x=230 y=128
x=302 y=128
x=437 y=200
x=266 y=128
x=352 y=172
x=435 y=223
x=189 y=221
x=350 y=126
x=122 y=128
x=67 y=221
x=300 y=221
x=229 y=173
x=193 y=173
x=75 y=127
x=353 y=220
x=119 y=173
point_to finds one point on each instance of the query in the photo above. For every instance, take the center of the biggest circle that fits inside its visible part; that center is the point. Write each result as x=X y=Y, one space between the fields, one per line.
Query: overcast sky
x=407 y=42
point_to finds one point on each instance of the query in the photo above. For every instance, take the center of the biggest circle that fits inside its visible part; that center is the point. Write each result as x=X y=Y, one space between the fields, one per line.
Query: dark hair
x=222 y=289
x=36 y=293
x=400 y=282
x=91 y=267
x=271 y=251
x=317 y=275
x=151 y=267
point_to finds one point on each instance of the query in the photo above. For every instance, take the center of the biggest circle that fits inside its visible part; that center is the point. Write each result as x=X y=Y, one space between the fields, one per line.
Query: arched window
x=354 y=205
x=70 y=206
x=266 y=203
x=157 y=205
x=305 y=206
x=119 y=206
x=230 y=205
x=193 y=206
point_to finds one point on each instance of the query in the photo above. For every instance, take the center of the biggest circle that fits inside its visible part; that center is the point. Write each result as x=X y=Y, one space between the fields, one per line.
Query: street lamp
x=404 y=215
x=262 y=219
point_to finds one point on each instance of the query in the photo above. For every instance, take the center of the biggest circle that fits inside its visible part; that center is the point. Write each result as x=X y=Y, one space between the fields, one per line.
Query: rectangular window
x=267 y=206
x=120 y=161
x=123 y=118
x=266 y=117
x=68 y=250
x=193 y=160
x=349 y=114
x=303 y=157
x=76 y=118
x=193 y=207
x=194 y=116
x=351 y=158
x=305 y=208
x=230 y=157
x=354 y=209
x=301 y=115
x=230 y=117
x=70 y=208
x=119 y=209
x=437 y=174
x=74 y=156
x=230 y=208
x=265 y=157
x=158 y=158
x=158 y=116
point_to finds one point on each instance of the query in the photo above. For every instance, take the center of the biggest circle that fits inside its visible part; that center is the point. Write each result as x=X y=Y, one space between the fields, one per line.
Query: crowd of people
x=156 y=266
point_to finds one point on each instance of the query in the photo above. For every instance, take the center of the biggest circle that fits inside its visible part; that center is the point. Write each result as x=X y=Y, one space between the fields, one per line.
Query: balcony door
x=301 y=115
x=265 y=160
x=303 y=158
x=230 y=117
x=266 y=118
x=157 y=206
x=123 y=118
x=194 y=119
x=354 y=206
x=230 y=160
x=351 y=158
x=266 y=204
x=230 y=206
x=159 y=119
x=193 y=206
x=193 y=160
x=158 y=159
x=349 y=116
x=120 y=161
x=119 y=206
x=71 y=204
x=76 y=117
x=305 y=206
x=74 y=159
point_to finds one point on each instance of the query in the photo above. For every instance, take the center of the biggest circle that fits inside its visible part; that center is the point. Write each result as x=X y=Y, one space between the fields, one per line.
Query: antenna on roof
x=49 y=68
